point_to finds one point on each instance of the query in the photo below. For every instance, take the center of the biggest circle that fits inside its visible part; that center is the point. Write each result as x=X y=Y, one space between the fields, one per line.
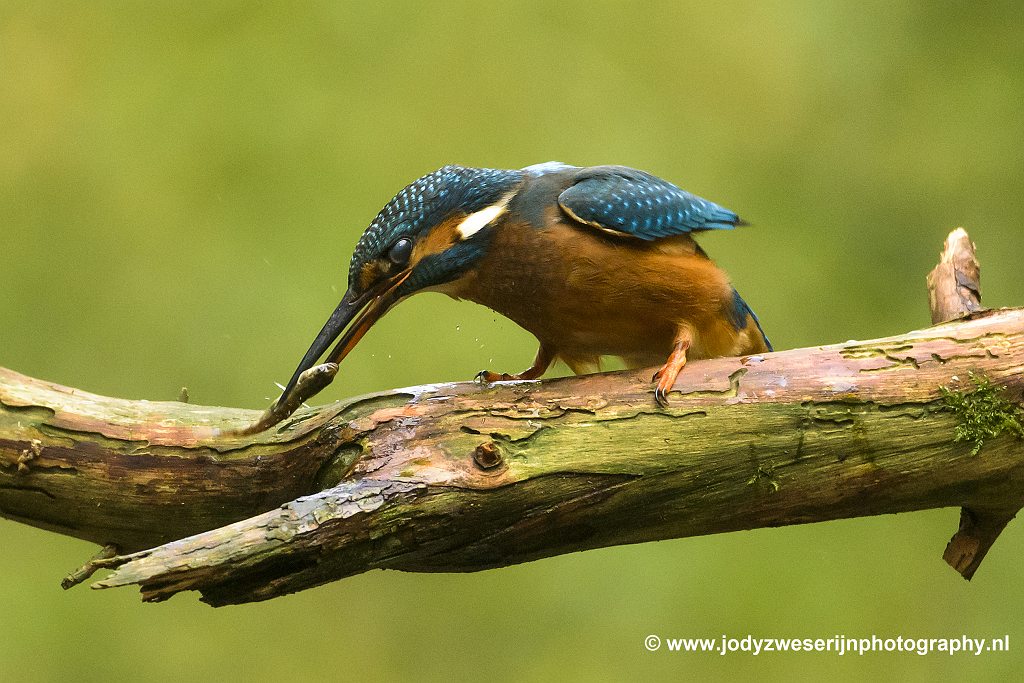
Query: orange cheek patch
x=368 y=274
x=437 y=240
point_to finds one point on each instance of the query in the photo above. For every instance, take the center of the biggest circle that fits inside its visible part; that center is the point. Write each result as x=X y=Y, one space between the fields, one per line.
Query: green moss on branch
x=983 y=412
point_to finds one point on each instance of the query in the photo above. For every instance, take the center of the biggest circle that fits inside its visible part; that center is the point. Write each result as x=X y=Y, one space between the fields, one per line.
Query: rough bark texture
x=461 y=477
x=954 y=286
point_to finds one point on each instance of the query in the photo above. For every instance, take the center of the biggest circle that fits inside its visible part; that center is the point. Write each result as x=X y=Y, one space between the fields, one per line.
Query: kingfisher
x=593 y=261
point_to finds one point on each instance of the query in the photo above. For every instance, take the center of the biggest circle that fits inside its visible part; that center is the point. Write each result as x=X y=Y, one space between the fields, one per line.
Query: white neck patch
x=478 y=220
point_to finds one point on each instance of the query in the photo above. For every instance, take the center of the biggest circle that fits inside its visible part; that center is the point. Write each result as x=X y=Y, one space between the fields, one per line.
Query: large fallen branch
x=460 y=477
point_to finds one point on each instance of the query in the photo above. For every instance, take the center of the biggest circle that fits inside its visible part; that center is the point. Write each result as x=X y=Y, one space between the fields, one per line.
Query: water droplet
x=458 y=328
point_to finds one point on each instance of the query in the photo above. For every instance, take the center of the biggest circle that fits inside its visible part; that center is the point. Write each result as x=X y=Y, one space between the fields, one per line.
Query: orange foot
x=486 y=377
x=541 y=363
x=666 y=376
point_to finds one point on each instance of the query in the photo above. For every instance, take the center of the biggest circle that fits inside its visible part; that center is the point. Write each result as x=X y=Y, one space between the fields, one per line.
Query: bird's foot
x=661 y=387
x=665 y=378
x=486 y=377
x=535 y=371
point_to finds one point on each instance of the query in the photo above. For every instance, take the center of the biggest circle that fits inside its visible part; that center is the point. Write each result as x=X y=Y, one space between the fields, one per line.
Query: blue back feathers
x=632 y=202
x=738 y=317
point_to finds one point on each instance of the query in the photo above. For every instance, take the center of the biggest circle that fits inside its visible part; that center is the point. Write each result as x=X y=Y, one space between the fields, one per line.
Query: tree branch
x=460 y=477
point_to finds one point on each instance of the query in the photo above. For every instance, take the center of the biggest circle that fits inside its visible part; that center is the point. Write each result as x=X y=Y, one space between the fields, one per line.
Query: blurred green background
x=181 y=186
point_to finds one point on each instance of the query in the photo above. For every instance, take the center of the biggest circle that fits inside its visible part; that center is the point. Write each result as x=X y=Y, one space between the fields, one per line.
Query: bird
x=593 y=261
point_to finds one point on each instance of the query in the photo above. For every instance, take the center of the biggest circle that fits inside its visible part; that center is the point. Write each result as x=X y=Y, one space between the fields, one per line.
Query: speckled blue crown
x=426 y=202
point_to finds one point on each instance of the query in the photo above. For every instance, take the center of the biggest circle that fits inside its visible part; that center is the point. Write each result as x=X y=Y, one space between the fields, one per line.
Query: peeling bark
x=462 y=477
x=954 y=286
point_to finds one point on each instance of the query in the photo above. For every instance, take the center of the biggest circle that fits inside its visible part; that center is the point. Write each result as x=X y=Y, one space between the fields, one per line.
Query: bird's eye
x=400 y=251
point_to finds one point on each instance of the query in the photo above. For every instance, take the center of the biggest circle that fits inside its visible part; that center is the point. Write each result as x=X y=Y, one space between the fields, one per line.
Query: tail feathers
x=740 y=311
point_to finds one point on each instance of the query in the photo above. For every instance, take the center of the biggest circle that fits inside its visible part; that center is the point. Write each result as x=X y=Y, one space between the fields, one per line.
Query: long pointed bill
x=341 y=317
x=358 y=314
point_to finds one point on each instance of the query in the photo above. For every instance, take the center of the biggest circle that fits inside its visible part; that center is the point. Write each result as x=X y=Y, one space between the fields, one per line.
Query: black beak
x=358 y=314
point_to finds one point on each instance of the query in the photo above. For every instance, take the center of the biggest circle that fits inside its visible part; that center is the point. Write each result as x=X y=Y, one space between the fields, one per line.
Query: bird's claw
x=487 y=377
x=661 y=388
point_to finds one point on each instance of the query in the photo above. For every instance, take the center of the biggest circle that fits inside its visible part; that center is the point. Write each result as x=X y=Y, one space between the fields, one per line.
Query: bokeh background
x=181 y=185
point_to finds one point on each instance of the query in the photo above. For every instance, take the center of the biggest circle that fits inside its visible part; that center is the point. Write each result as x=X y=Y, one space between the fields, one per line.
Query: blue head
x=429 y=234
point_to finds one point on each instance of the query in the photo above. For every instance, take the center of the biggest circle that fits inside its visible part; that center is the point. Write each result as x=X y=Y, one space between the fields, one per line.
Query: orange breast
x=585 y=294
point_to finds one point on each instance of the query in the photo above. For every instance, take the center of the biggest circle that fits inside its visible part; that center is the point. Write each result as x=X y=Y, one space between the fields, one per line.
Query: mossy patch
x=983 y=412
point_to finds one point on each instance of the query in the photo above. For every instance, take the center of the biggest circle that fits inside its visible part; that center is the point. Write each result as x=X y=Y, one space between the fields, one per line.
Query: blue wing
x=630 y=202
